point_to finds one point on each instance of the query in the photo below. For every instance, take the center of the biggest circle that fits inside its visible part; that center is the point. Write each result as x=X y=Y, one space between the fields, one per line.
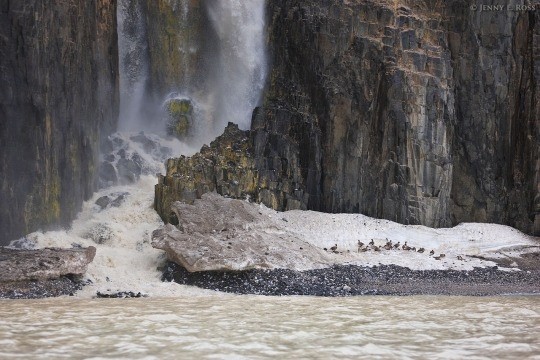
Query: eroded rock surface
x=44 y=264
x=413 y=111
x=217 y=233
x=58 y=99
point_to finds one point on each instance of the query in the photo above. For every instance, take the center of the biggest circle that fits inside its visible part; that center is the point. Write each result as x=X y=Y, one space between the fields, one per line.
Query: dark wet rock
x=119 y=200
x=347 y=280
x=58 y=100
x=43 y=264
x=113 y=200
x=129 y=170
x=148 y=144
x=120 y=295
x=107 y=174
x=34 y=289
x=103 y=202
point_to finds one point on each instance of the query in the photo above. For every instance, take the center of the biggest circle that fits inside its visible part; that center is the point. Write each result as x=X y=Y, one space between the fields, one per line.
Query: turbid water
x=226 y=326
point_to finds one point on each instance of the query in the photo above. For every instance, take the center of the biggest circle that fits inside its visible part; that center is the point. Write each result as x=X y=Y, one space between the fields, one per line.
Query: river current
x=250 y=327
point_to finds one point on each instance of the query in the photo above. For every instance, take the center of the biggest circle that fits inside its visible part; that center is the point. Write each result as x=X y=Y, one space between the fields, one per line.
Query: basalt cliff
x=420 y=112
x=58 y=99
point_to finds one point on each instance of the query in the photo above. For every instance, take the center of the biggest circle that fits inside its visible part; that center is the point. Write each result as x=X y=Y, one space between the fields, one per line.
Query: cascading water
x=224 y=79
x=119 y=219
x=133 y=63
x=239 y=71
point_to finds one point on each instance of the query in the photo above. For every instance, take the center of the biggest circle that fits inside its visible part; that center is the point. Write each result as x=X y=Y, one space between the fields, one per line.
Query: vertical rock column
x=496 y=61
x=59 y=97
x=373 y=103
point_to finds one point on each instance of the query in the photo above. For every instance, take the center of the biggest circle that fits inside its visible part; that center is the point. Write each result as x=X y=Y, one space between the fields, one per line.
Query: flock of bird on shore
x=389 y=246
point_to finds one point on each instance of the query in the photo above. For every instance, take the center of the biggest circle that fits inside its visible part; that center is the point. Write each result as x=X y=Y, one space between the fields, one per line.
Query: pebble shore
x=350 y=280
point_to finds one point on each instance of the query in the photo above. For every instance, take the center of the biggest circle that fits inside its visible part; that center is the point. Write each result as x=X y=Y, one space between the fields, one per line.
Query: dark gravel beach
x=348 y=280
x=38 y=289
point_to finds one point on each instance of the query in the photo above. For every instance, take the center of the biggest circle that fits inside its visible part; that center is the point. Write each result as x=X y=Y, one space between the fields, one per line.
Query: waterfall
x=119 y=219
x=240 y=60
x=133 y=63
x=222 y=67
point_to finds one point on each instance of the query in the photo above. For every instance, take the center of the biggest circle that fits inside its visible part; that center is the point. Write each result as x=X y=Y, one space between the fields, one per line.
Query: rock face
x=216 y=233
x=418 y=112
x=415 y=112
x=45 y=264
x=173 y=29
x=58 y=99
x=233 y=167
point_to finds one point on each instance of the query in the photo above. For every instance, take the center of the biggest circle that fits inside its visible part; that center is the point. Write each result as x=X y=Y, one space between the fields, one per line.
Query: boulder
x=43 y=264
x=217 y=233
x=103 y=202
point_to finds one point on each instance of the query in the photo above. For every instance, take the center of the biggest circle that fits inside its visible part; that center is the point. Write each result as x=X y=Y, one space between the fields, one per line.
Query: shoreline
x=334 y=281
x=353 y=280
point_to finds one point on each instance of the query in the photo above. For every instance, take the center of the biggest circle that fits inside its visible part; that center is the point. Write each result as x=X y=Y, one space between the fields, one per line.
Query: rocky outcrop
x=216 y=233
x=413 y=111
x=233 y=167
x=44 y=264
x=59 y=97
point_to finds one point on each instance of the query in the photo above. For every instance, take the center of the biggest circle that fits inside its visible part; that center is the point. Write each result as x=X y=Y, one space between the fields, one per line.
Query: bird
x=334 y=248
x=388 y=245
x=413 y=248
x=439 y=257
x=459 y=257
x=421 y=250
x=405 y=246
x=372 y=242
x=397 y=245
x=432 y=252
x=376 y=248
